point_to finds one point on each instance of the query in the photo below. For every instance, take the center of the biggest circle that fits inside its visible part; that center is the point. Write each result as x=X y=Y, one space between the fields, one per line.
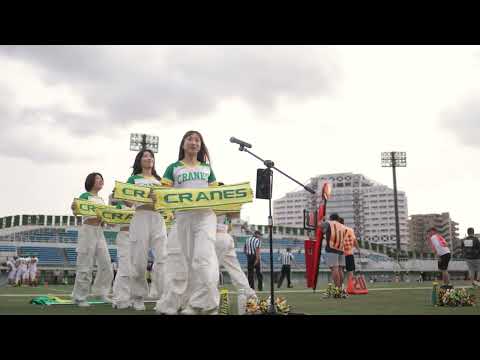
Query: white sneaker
x=159 y=311
x=105 y=299
x=83 y=303
x=210 y=312
x=188 y=311
x=121 y=306
x=139 y=305
x=476 y=283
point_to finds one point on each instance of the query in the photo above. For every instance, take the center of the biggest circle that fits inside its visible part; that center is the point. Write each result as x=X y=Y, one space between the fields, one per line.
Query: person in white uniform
x=121 y=298
x=92 y=247
x=21 y=270
x=227 y=255
x=147 y=231
x=26 y=274
x=12 y=270
x=192 y=277
x=33 y=271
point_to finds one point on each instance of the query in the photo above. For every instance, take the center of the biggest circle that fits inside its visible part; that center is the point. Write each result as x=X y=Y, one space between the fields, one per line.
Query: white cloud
x=312 y=110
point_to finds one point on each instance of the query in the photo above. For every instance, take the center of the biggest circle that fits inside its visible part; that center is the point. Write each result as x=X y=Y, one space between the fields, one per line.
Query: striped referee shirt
x=251 y=245
x=286 y=258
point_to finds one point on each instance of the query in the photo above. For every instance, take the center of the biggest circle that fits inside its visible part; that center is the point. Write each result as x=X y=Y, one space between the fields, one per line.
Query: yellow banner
x=86 y=208
x=135 y=193
x=211 y=197
x=112 y=215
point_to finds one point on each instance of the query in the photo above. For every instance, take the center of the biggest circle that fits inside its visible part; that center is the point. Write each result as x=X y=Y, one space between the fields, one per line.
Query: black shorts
x=349 y=263
x=443 y=262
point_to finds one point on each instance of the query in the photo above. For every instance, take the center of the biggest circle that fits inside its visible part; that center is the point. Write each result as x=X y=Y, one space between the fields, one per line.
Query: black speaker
x=264 y=184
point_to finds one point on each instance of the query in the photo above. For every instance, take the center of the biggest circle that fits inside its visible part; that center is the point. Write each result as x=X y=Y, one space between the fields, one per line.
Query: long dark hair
x=90 y=180
x=202 y=156
x=137 y=165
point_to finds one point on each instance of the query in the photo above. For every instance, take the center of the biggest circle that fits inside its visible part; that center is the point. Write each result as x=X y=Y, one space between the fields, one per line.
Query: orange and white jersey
x=336 y=239
x=350 y=241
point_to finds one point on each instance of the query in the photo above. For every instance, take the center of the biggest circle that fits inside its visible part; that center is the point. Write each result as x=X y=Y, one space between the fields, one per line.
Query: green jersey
x=90 y=197
x=141 y=180
x=179 y=175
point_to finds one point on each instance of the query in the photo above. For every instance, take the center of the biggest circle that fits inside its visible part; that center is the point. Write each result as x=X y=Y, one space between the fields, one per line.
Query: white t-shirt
x=11 y=263
x=440 y=246
x=23 y=264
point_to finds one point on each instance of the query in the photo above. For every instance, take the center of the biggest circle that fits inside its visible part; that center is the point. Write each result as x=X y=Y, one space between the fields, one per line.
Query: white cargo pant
x=33 y=274
x=192 y=269
x=147 y=231
x=153 y=291
x=92 y=246
x=121 y=285
x=26 y=275
x=20 y=274
x=227 y=256
x=12 y=275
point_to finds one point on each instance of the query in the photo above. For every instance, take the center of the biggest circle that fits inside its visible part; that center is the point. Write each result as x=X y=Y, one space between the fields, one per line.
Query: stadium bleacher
x=53 y=252
x=294 y=244
x=54 y=235
x=8 y=248
x=46 y=255
x=265 y=259
x=71 y=255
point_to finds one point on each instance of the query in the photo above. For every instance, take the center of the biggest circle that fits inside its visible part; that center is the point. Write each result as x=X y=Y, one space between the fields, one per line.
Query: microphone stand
x=270 y=165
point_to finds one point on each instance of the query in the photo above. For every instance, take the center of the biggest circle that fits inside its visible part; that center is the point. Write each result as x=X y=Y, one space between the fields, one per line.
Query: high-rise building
x=366 y=206
x=420 y=224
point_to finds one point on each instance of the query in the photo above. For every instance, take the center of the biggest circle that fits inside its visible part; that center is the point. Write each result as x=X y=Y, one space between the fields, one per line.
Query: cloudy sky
x=66 y=111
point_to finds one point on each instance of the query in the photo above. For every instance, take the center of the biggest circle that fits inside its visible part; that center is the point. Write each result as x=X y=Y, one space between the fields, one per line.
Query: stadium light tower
x=395 y=159
x=140 y=142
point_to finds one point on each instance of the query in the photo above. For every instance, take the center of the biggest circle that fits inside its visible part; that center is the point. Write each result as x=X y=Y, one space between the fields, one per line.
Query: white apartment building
x=366 y=205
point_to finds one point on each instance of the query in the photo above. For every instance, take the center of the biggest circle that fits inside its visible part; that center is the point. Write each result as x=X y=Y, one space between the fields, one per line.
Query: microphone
x=240 y=142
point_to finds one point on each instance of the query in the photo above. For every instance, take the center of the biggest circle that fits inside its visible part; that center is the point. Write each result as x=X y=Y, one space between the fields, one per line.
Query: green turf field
x=383 y=299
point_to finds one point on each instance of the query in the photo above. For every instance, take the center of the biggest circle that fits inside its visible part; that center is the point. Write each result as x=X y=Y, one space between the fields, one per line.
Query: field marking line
x=63 y=291
x=150 y=300
x=372 y=289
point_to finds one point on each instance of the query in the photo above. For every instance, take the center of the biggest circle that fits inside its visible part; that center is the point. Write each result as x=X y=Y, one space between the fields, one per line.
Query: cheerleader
x=33 y=271
x=21 y=269
x=12 y=270
x=26 y=274
x=92 y=246
x=121 y=298
x=227 y=255
x=147 y=231
x=193 y=274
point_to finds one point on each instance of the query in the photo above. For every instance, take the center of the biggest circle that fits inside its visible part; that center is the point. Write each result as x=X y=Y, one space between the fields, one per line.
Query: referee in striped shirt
x=286 y=259
x=252 y=250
